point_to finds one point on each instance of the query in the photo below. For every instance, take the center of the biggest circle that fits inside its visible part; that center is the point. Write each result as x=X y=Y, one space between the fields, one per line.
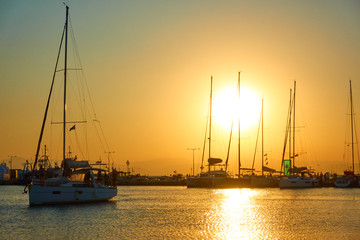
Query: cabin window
x=56 y=192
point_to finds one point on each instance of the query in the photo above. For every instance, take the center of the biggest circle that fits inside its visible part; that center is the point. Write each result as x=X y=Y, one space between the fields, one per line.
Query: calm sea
x=180 y=213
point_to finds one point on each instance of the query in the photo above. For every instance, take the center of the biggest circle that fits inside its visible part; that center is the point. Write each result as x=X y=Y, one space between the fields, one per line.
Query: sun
x=228 y=108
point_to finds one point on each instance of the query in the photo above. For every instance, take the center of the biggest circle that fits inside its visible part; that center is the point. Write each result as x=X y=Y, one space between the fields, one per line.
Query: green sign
x=287 y=166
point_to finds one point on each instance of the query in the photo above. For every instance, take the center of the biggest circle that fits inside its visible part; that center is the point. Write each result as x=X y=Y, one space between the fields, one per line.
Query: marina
x=214 y=120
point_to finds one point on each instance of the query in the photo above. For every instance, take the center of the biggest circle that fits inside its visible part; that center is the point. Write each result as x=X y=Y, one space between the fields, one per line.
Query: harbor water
x=160 y=212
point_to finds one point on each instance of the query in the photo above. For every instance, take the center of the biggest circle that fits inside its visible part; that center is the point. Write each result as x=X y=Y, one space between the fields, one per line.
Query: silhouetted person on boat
x=99 y=177
x=106 y=179
x=114 y=177
x=87 y=178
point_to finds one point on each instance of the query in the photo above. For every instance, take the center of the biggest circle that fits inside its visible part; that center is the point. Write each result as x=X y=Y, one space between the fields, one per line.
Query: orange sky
x=148 y=66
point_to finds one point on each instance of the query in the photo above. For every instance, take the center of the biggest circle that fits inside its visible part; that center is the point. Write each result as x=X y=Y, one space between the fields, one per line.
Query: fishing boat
x=295 y=177
x=349 y=179
x=268 y=180
x=76 y=181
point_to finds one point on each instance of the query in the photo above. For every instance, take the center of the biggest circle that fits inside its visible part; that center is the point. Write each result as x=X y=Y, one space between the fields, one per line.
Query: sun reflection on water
x=236 y=216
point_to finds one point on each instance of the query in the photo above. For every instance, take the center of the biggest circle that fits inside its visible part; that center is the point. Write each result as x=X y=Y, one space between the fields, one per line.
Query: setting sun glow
x=228 y=108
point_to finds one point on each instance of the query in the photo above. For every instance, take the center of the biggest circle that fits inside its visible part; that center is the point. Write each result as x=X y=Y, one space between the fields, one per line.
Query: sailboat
x=349 y=179
x=215 y=168
x=296 y=177
x=217 y=175
x=77 y=186
x=263 y=181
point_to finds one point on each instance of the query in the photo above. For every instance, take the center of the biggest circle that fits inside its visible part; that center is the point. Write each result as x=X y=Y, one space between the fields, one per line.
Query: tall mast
x=65 y=74
x=352 y=129
x=290 y=128
x=262 y=136
x=294 y=125
x=48 y=103
x=287 y=134
x=239 y=162
x=210 y=119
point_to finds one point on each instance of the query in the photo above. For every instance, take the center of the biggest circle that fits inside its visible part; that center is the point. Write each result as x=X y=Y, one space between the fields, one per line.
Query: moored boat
x=296 y=181
x=346 y=181
x=263 y=181
x=295 y=177
x=75 y=181
x=349 y=179
x=217 y=175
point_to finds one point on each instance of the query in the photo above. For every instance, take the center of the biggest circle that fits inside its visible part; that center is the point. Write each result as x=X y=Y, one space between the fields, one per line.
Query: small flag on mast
x=72 y=128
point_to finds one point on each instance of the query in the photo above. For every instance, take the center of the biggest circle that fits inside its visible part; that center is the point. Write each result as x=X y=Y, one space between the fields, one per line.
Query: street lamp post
x=193 y=150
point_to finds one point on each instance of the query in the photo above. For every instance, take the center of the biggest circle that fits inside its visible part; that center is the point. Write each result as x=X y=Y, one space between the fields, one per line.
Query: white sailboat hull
x=345 y=182
x=298 y=183
x=67 y=194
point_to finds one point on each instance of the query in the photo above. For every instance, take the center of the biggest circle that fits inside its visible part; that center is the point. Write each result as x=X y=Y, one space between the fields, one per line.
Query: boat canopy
x=298 y=169
x=87 y=169
x=349 y=173
x=267 y=169
x=213 y=161
x=71 y=163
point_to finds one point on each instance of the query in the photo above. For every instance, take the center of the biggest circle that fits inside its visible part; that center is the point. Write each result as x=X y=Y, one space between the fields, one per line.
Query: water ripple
x=181 y=213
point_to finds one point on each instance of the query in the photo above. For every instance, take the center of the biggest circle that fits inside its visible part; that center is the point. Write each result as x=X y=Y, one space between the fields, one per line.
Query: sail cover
x=298 y=169
x=213 y=161
x=267 y=169
x=70 y=163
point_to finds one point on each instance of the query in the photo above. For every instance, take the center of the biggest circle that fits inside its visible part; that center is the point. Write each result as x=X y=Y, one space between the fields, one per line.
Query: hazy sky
x=148 y=66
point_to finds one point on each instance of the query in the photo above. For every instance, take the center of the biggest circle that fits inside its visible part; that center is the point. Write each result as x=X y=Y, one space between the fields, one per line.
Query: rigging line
x=357 y=145
x=257 y=138
x=81 y=82
x=102 y=131
x=83 y=78
x=304 y=136
x=228 y=153
x=79 y=98
x=70 y=69
x=78 y=143
x=80 y=78
x=69 y=122
x=76 y=49
x=99 y=136
x=286 y=132
x=78 y=66
x=356 y=137
x=204 y=146
x=57 y=100
x=347 y=135
x=48 y=102
x=70 y=143
x=83 y=73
